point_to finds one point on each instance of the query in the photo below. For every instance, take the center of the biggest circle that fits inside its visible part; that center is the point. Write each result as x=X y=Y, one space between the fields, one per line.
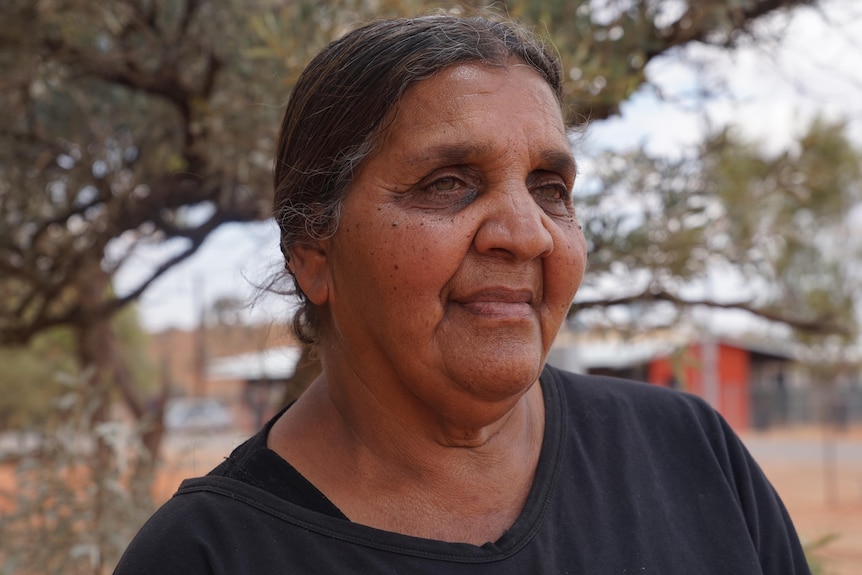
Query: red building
x=747 y=383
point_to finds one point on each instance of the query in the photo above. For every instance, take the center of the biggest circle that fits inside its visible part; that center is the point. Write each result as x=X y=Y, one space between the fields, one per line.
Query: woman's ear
x=309 y=266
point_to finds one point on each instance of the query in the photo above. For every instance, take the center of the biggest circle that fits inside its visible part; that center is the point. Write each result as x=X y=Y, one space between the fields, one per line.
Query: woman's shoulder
x=206 y=517
x=602 y=395
x=640 y=416
x=178 y=530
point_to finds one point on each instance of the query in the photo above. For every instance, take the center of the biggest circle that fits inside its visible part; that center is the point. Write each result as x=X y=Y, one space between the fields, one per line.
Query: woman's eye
x=444 y=184
x=553 y=198
x=445 y=192
x=553 y=192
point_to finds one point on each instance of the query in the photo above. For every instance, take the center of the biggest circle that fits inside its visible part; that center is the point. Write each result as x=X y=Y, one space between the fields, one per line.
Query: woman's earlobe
x=308 y=264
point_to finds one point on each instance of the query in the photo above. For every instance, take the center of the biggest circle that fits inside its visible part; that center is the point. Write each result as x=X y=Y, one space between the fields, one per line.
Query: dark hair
x=341 y=102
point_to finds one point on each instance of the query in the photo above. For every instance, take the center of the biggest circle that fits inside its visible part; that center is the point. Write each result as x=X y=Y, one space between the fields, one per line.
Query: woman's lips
x=502 y=303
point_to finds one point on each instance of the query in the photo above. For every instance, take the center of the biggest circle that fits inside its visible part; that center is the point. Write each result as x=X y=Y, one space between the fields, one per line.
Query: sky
x=771 y=91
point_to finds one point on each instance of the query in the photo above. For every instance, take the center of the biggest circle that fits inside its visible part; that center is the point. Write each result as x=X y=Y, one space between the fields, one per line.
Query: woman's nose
x=515 y=225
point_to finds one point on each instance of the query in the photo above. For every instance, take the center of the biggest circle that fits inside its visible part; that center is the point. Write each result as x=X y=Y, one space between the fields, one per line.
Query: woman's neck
x=411 y=472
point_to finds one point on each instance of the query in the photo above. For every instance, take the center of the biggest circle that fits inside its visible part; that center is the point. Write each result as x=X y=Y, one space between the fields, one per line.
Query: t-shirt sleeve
x=172 y=542
x=769 y=524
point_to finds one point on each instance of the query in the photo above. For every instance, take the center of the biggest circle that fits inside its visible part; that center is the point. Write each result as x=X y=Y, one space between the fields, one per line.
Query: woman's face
x=458 y=252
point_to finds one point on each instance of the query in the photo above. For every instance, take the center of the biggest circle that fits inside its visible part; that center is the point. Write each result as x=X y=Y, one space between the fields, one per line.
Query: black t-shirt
x=632 y=479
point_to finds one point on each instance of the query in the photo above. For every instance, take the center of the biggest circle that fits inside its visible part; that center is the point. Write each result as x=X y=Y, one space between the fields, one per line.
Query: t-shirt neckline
x=515 y=538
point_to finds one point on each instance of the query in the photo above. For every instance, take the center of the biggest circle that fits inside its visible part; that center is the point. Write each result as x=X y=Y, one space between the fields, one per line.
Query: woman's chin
x=499 y=379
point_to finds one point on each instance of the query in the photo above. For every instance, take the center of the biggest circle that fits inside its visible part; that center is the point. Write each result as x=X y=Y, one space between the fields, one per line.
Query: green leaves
x=776 y=224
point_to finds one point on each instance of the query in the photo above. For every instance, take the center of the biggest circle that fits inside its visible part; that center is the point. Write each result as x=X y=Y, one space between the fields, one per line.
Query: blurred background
x=144 y=331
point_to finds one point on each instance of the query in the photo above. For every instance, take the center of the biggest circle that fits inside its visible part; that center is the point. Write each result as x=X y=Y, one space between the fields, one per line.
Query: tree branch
x=825 y=325
x=686 y=28
x=196 y=236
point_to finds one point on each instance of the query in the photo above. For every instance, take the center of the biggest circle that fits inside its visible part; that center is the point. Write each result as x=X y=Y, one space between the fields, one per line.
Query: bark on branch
x=824 y=325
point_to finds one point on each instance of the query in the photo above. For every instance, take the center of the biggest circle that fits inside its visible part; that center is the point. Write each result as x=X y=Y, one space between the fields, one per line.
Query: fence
x=838 y=406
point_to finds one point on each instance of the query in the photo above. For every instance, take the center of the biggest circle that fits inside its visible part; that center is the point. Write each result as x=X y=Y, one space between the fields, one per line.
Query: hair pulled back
x=340 y=104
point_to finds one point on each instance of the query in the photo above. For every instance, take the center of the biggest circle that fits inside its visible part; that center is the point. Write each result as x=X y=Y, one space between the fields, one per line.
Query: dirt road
x=818 y=474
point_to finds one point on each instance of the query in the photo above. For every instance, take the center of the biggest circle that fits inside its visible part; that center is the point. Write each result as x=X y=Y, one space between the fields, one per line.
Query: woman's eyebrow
x=558 y=161
x=452 y=154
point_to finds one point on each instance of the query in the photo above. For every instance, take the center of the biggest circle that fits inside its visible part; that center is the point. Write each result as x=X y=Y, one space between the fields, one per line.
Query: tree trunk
x=106 y=370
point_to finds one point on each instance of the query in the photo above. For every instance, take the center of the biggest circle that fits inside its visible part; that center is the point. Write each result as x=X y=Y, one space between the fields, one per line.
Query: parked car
x=197 y=414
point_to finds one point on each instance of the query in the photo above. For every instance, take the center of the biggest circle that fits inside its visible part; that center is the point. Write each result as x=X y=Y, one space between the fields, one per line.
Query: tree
x=143 y=121
x=774 y=227
x=71 y=510
x=124 y=123
x=606 y=45
x=138 y=121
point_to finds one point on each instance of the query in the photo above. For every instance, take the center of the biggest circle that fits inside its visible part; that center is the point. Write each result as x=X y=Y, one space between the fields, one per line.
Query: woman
x=423 y=185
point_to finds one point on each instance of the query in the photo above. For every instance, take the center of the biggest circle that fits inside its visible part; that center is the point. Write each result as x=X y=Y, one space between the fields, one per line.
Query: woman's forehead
x=466 y=110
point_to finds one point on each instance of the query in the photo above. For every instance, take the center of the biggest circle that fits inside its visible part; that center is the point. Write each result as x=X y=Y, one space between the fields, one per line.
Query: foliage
x=816 y=563
x=606 y=45
x=125 y=122
x=78 y=497
x=775 y=227
x=28 y=383
x=149 y=121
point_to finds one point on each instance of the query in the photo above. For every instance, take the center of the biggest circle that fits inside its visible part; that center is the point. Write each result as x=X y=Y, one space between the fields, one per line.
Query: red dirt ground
x=823 y=500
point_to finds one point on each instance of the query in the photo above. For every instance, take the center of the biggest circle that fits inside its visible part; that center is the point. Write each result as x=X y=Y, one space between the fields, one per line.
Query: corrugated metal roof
x=617 y=355
x=273 y=363
x=584 y=353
